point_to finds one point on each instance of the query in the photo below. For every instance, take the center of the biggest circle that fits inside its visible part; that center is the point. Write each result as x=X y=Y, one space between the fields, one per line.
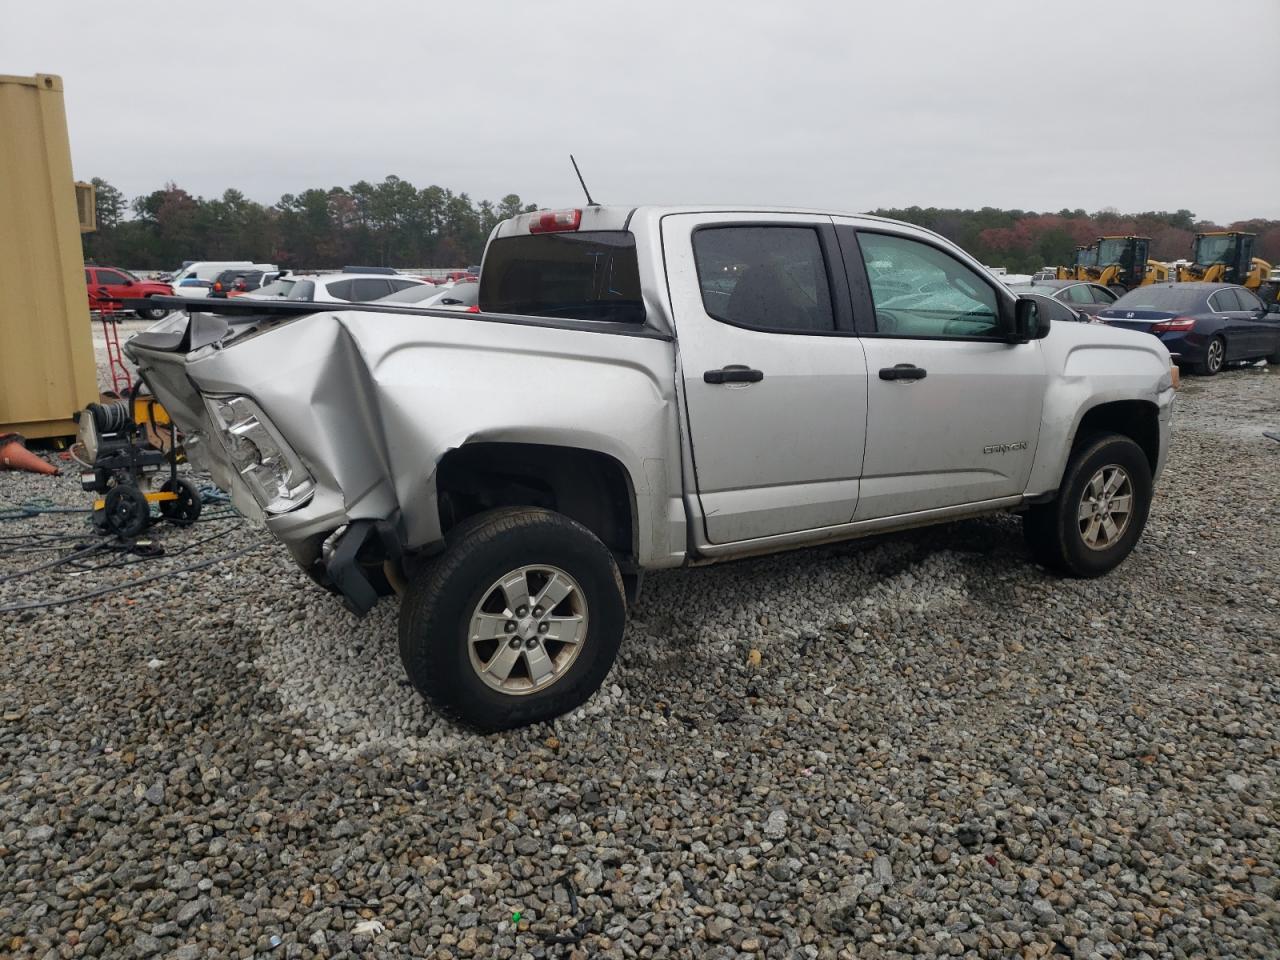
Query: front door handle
x=903 y=371
x=734 y=373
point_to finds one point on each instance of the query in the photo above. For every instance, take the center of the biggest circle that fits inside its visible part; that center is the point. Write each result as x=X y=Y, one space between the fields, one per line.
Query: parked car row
x=1204 y=325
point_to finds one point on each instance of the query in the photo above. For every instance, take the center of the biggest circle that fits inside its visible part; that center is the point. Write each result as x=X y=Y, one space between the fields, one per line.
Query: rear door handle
x=903 y=371
x=734 y=373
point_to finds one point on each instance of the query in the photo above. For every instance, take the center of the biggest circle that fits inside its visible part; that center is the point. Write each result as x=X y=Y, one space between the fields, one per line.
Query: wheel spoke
x=1091 y=531
x=500 y=663
x=488 y=626
x=1113 y=482
x=551 y=596
x=1108 y=527
x=1121 y=504
x=540 y=665
x=563 y=629
x=1086 y=510
x=515 y=589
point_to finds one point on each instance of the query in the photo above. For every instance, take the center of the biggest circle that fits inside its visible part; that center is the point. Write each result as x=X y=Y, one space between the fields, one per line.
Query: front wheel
x=1100 y=511
x=518 y=621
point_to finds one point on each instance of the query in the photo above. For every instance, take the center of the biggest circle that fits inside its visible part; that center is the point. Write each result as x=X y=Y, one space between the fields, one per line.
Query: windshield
x=1160 y=298
x=592 y=275
x=1111 y=251
x=1211 y=250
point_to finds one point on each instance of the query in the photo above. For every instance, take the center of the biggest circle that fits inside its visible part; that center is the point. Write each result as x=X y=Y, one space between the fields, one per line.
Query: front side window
x=1102 y=295
x=1248 y=300
x=765 y=278
x=1077 y=294
x=920 y=291
x=109 y=277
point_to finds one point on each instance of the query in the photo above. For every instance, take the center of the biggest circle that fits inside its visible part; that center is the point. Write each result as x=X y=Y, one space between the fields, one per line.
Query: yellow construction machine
x=1085 y=258
x=1122 y=263
x=1226 y=256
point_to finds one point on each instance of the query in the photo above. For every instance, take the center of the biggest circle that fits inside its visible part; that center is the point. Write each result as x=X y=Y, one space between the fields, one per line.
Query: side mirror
x=128 y=283
x=1028 y=321
x=1274 y=308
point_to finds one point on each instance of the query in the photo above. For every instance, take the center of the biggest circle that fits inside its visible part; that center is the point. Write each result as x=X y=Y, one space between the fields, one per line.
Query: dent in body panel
x=371 y=402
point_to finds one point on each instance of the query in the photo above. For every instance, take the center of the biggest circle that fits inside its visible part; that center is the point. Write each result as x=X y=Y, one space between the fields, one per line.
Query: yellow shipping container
x=47 y=368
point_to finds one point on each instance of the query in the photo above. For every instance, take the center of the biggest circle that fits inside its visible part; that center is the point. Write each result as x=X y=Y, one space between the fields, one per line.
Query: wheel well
x=1138 y=420
x=585 y=485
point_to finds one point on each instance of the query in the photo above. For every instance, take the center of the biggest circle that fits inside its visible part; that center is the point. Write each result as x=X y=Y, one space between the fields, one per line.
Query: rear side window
x=591 y=275
x=1225 y=301
x=367 y=288
x=340 y=289
x=764 y=278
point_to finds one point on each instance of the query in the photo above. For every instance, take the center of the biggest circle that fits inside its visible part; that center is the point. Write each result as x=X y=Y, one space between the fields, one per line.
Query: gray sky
x=851 y=106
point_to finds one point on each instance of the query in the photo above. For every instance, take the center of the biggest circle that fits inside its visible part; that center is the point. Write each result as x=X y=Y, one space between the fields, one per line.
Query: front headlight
x=272 y=471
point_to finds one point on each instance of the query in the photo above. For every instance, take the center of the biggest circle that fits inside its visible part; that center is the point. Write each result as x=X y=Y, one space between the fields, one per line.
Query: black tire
x=1215 y=358
x=126 y=512
x=153 y=313
x=438 y=605
x=185 y=510
x=1053 y=530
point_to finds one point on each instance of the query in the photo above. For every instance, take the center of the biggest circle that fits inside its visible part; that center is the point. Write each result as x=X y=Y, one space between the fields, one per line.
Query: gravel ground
x=939 y=750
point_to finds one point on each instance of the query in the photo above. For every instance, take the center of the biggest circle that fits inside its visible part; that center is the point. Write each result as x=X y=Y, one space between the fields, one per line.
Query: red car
x=110 y=285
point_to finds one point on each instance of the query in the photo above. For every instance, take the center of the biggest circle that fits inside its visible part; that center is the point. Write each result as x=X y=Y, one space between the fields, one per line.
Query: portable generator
x=120 y=457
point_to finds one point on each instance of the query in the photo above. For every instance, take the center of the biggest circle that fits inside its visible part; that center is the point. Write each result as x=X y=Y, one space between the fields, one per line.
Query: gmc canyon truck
x=647 y=388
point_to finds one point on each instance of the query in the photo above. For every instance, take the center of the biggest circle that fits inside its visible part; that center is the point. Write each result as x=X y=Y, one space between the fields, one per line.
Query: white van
x=195 y=279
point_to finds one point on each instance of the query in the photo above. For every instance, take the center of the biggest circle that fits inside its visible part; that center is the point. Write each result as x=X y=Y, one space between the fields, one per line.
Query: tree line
x=394 y=223
x=1024 y=241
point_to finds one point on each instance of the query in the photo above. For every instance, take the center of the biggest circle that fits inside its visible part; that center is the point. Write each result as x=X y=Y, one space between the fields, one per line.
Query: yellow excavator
x=1226 y=256
x=1121 y=263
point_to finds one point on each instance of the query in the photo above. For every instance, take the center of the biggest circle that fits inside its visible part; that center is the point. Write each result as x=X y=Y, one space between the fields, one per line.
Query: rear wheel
x=1215 y=355
x=153 y=313
x=518 y=621
x=1100 y=510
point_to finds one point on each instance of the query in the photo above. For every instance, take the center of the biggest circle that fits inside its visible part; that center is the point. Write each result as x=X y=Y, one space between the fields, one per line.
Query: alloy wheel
x=1106 y=506
x=527 y=629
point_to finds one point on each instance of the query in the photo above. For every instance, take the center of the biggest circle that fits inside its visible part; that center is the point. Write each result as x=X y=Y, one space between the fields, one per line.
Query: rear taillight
x=1176 y=325
x=555 y=221
x=217 y=286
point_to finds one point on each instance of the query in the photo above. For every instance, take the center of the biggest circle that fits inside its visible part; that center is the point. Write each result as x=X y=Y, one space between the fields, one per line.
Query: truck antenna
x=590 y=202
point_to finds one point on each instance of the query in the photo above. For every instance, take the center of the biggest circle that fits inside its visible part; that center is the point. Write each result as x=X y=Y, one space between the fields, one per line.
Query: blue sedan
x=1204 y=325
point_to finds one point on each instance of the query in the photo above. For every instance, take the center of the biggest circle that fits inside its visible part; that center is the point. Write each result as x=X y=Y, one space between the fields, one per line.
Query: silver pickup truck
x=653 y=387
